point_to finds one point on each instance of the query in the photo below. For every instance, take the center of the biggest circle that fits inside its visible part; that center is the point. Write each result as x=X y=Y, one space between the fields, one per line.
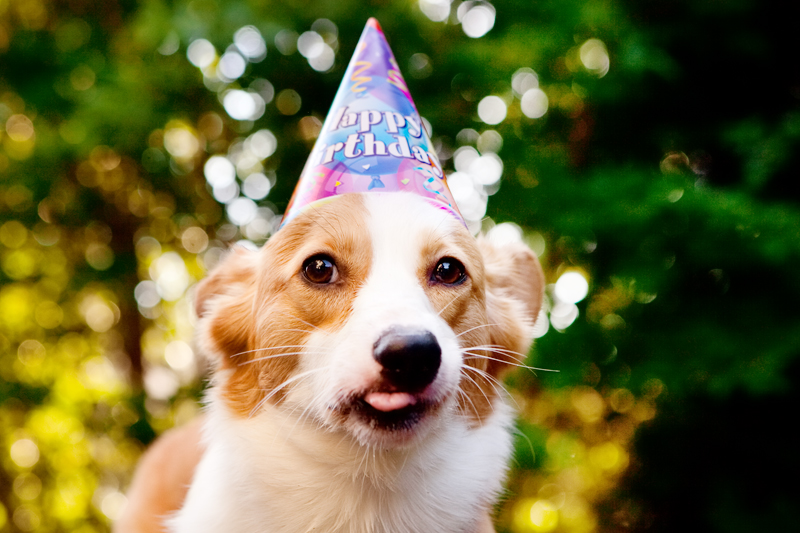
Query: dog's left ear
x=224 y=304
x=514 y=294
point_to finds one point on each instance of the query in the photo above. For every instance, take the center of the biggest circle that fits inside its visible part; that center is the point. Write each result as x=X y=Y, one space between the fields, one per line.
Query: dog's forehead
x=330 y=225
x=408 y=223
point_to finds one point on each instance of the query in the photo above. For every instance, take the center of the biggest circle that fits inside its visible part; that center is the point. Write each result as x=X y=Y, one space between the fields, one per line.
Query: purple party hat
x=373 y=139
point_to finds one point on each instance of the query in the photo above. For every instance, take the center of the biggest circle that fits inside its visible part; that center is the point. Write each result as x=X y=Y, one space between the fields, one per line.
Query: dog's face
x=377 y=315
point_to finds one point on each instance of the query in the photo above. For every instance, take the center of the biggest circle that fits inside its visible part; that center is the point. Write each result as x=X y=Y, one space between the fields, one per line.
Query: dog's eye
x=449 y=271
x=320 y=269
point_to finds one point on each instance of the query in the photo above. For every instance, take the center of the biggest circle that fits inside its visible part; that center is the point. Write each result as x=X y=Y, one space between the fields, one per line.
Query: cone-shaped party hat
x=373 y=139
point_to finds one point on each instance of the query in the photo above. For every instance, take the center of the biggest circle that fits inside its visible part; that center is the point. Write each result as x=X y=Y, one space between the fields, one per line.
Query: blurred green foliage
x=660 y=167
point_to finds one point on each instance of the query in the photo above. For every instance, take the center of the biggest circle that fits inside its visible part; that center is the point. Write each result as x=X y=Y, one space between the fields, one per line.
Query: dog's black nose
x=410 y=357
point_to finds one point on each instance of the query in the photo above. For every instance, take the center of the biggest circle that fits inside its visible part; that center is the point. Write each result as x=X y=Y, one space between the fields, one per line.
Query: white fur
x=290 y=468
x=276 y=474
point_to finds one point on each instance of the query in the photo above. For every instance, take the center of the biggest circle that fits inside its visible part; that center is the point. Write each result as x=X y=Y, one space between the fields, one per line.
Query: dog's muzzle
x=409 y=356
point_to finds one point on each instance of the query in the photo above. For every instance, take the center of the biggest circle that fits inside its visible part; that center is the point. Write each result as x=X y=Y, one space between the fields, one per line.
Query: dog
x=356 y=386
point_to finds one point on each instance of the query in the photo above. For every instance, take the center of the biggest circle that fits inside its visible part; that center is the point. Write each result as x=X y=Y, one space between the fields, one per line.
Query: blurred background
x=645 y=150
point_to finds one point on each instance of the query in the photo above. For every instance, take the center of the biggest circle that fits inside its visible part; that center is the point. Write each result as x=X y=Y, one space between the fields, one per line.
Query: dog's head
x=378 y=315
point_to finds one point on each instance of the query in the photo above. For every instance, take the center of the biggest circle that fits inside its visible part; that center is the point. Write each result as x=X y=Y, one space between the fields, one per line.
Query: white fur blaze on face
x=396 y=363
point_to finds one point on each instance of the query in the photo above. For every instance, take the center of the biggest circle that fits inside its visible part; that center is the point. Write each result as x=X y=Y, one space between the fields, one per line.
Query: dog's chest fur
x=316 y=481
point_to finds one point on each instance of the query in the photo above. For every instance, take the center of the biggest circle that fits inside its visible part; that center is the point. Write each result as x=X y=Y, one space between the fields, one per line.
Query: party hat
x=373 y=139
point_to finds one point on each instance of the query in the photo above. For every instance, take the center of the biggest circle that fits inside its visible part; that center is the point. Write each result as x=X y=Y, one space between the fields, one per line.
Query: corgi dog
x=356 y=385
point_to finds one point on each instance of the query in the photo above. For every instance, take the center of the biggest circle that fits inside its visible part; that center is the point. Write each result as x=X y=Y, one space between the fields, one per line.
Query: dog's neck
x=283 y=472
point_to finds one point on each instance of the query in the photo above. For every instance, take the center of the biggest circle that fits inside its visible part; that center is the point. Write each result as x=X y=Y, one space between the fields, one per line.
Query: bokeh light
x=523 y=80
x=231 y=66
x=24 y=453
x=179 y=355
x=310 y=44
x=594 y=56
x=328 y=30
x=170 y=44
x=492 y=110
x=19 y=128
x=541 y=326
x=477 y=175
x=146 y=294
x=160 y=383
x=571 y=287
x=534 y=103
x=288 y=102
x=504 y=234
x=256 y=186
x=241 y=211
x=464 y=157
x=99 y=314
x=420 y=66
x=261 y=143
x=250 y=43
x=201 y=53
x=286 y=42
x=264 y=88
x=476 y=17
x=486 y=169
x=310 y=126
x=544 y=516
x=243 y=105
x=219 y=171
x=313 y=47
x=562 y=315
x=171 y=277
x=489 y=141
x=180 y=141
x=226 y=193
x=436 y=10
x=194 y=240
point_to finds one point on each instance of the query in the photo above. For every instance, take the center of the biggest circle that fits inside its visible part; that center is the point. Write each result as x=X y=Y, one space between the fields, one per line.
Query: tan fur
x=515 y=283
x=514 y=288
x=162 y=479
x=258 y=311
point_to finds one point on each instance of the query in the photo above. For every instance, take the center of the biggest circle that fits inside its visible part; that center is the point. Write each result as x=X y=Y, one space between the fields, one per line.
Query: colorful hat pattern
x=373 y=139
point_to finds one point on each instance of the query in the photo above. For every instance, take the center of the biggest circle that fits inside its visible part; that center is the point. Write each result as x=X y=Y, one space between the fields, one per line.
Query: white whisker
x=514 y=356
x=293 y=329
x=306 y=323
x=307 y=412
x=465 y=395
x=487 y=376
x=289 y=381
x=488 y=401
x=496 y=383
x=499 y=349
x=518 y=365
x=305 y=352
x=446 y=306
x=273 y=348
x=476 y=327
x=266 y=357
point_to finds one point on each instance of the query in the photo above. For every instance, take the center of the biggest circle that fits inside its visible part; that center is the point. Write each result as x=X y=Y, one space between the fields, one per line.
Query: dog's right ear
x=514 y=294
x=223 y=303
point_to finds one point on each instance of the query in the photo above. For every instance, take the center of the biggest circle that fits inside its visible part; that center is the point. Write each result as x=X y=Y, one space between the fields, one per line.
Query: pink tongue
x=389 y=401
